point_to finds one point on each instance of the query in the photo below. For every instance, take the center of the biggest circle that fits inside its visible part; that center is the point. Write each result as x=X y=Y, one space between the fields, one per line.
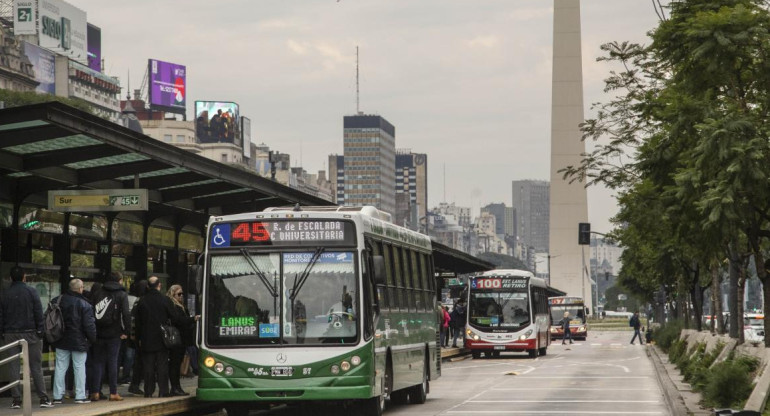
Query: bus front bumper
x=518 y=345
x=271 y=390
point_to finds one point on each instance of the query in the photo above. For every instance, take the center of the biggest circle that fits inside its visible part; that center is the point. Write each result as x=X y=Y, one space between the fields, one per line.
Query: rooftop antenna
x=358 y=111
x=128 y=88
x=444 y=181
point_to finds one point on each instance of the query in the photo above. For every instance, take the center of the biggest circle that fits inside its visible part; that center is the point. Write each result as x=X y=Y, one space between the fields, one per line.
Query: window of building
x=224 y=158
x=180 y=138
x=167 y=138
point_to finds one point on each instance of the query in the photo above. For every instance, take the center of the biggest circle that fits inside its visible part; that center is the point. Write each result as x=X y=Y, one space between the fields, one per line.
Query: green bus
x=316 y=304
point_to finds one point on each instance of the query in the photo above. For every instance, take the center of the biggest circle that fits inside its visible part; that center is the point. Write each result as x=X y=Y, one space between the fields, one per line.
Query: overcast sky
x=466 y=81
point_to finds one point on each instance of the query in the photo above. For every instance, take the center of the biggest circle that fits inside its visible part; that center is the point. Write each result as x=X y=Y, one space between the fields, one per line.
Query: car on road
x=754 y=327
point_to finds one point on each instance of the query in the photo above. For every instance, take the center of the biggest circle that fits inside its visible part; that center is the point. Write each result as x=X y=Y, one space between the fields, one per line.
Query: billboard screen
x=246 y=132
x=217 y=122
x=43 y=64
x=94 y=48
x=168 y=86
x=63 y=29
x=24 y=17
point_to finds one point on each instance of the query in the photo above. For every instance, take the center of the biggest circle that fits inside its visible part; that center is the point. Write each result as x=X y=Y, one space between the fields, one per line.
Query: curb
x=674 y=400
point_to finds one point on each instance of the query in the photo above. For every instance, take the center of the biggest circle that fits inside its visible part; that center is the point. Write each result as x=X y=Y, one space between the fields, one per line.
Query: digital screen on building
x=218 y=122
x=168 y=86
x=94 y=48
x=292 y=232
x=498 y=283
x=43 y=62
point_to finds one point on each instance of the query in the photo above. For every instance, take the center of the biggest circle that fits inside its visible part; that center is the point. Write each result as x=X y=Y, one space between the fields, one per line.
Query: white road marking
x=573 y=388
x=551 y=412
x=564 y=401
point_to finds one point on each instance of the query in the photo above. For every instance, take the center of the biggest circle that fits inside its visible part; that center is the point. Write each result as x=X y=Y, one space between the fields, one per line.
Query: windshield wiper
x=259 y=273
x=299 y=280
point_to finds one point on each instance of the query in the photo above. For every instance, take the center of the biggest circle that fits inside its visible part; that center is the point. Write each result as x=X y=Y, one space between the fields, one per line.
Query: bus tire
x=476 y=354
x=419 y=393
x=373 y=406
x=543 y=351
x=532 y=353
x=399 y=396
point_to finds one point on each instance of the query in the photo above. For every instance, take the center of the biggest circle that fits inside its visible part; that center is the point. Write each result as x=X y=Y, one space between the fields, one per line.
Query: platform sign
x=101 y=200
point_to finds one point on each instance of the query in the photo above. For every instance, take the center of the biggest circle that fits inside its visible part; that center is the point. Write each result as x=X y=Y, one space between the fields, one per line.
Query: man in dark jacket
x=636 y=324
x=79 y=333
x=113 y=324
x=21 y=317
x=153 y=309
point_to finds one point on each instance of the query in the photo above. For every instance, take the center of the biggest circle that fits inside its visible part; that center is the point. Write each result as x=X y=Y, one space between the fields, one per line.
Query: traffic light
x=584 y=233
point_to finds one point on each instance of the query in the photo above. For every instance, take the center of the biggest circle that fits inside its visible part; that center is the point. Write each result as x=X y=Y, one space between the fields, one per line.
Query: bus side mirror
x=195 y=279
x=378 y=269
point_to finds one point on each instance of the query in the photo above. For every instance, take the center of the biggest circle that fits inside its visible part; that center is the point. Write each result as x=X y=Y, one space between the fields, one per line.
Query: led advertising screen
x=217 y=122
x=43 y=64
x=168 y=86
x=246 y=131
x=94 y=48
x=62 y=29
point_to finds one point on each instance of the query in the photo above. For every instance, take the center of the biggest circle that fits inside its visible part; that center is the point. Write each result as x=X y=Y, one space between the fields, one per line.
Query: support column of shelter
x=103 y=258
x=138 y=260
x=62 y=252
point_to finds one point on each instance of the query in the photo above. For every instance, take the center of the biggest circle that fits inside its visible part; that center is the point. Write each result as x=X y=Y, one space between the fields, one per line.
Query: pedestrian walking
x=153 y=310
x=636 y=324
x=458 y=321
x=445 y=326
x=21 y=317
x=113 y=324
x=186 y=325
x=79 y=334
x=565 y=328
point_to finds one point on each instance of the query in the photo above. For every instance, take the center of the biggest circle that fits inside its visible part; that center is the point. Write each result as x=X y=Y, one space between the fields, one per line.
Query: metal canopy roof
x=52 y=146
x=446 y=258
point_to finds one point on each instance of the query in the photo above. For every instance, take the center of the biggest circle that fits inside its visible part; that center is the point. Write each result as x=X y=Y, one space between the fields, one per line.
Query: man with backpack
x=113 y=324
x=21 y=317
x=636 y=324
x=457 y=321
x=79 y=332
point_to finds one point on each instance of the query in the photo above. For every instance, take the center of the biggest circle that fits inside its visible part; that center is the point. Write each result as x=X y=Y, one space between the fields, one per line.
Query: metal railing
x=26 y=398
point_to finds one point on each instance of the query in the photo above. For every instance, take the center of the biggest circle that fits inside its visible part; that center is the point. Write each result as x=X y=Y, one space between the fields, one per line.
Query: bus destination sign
x=293 y=232
x=498 y=283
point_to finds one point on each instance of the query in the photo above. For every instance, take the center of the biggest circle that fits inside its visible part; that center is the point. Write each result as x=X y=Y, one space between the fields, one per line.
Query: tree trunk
x=732 y=298
x=696 y=293
x=716 y=322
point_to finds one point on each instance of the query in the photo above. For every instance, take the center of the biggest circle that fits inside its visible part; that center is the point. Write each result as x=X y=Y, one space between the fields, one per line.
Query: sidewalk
x=131 y=406
x=681 y=399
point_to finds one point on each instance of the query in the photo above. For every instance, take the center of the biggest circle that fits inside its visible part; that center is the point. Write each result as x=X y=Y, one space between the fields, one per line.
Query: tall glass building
x=370 y=161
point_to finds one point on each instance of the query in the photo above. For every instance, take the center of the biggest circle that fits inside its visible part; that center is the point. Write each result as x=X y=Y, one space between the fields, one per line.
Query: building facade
x=531 y=200
x=411 y=188
x=370 y=160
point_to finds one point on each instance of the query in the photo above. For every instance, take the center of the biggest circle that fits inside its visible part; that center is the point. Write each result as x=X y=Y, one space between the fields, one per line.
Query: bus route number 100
x=488 y=284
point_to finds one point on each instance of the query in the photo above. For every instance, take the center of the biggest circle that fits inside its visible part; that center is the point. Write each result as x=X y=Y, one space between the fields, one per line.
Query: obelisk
x=568 y=201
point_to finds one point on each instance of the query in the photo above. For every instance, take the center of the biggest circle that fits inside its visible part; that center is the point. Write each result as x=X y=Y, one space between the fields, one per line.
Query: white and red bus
x=507 y=310
x=577 y=313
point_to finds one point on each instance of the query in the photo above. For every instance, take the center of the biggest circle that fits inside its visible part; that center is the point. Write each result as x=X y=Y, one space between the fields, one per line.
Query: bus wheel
x=496 y=354
x=532 y=353
x=418 y=393
x=237 y=410
x=373 y=406
x=476 y=354
x=542 y=351
x=399 y=397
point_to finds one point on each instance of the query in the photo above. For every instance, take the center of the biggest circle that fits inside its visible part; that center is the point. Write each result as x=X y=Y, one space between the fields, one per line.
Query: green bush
x=667 y=334
x=730 y=382
x=676 y=350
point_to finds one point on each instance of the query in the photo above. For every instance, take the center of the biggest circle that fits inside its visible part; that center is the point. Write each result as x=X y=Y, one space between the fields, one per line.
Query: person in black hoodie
x=140 y=289
x=153 y=309
x=113 y=324
x=79 y=333
x=187 y=330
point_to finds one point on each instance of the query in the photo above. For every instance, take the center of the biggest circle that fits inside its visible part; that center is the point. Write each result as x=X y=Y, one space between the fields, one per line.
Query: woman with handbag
x=185 y=324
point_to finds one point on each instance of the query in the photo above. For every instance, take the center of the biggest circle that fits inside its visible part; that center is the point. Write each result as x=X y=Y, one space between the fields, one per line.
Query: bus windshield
x=282 y=298
x=499 y=310
x=576 y=313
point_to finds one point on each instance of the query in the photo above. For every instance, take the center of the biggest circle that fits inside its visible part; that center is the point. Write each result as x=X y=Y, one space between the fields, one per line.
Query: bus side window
x=408 y=281
x=368 y=290
x=392 y=291
x=397 y=277
x=381 y=293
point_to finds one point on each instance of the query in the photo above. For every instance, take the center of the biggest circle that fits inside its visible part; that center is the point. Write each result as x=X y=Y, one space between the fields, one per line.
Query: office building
x=370 y=160
x=531 y=201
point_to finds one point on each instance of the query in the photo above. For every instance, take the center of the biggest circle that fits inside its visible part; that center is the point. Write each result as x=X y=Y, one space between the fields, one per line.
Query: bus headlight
x=582 y=329
x=472 y=335
x=356 y=360
x=228 y=371
x=219 y=367
x=345 y=366
x=209 y=362
x=335 y=369
x=526 y=335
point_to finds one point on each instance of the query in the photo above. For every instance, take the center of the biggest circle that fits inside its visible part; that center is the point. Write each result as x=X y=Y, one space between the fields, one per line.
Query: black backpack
x=53 y=322
x=105 y=309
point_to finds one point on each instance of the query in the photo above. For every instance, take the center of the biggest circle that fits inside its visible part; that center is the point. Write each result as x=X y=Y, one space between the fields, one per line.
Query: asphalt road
x=603 y=375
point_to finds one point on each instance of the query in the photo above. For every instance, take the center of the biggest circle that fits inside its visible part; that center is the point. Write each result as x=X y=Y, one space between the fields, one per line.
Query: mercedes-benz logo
x=281 y=357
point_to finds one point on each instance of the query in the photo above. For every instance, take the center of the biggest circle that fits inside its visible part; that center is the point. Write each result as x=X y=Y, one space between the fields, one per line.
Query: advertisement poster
x=217 y=122
x=168 y=86
x=94 y=48
x=62 y=29
x=24 y=17
x=43 y=64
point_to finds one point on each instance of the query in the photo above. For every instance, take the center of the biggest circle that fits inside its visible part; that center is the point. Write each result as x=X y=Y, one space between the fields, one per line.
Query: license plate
x=499 y=347
x=281 y=371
